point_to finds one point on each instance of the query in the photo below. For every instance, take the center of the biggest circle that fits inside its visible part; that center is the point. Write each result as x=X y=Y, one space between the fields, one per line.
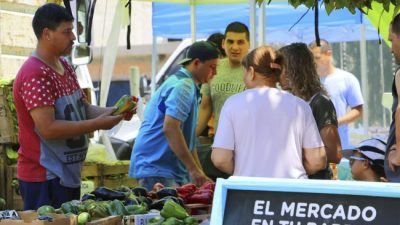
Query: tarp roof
x=173 y=21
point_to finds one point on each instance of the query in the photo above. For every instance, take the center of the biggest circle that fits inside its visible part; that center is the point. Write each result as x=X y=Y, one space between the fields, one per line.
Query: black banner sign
x=245 y=207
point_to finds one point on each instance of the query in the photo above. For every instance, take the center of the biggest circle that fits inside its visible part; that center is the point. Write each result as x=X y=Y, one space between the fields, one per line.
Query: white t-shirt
x=267 y=129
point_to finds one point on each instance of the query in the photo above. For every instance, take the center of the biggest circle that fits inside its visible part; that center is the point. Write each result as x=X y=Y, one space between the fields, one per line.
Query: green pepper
x=155 y=221
x=172 y=221
x=136 y=209
x=81 y=208
x=99 y=211
x=67 y=207
x=104 y=203
x=190 y=221
x=89 y=206
x=173 y=209
x=116 y=208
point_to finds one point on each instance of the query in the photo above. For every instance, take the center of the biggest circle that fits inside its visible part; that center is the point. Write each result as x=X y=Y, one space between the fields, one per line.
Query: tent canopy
x=173 y=21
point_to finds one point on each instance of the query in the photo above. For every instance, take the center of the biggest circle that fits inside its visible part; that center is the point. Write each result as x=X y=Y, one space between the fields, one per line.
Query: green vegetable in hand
x=125 y=104
x=173 y=209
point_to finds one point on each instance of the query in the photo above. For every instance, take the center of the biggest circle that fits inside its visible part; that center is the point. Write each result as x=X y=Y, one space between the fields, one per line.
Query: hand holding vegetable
x=126 y=105
x=198 y=177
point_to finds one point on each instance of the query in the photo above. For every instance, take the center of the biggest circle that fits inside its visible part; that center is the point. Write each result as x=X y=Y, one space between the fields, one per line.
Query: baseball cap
x=372 y=149
x=202 y=50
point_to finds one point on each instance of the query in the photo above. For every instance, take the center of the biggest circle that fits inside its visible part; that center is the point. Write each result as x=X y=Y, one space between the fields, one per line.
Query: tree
x=351 y=5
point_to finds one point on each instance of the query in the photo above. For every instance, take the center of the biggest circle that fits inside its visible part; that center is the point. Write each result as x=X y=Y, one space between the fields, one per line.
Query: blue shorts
x=51 y=192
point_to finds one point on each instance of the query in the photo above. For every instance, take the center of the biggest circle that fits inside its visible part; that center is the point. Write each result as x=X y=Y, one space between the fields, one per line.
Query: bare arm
x=50 y=128
x=394 y=156
x=351 y=116
x=204 y=114
x=223 y=160
x=93 y=111
x=178 y=145
x=196 y=158
x=330 y=137
x=314 y=160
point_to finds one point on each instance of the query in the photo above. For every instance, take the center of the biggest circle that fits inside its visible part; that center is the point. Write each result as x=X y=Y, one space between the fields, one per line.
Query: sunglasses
x=355 y=158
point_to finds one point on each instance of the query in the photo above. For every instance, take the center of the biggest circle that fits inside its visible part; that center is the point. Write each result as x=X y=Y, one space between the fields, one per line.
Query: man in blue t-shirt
x=343 y=89
x=164 y=150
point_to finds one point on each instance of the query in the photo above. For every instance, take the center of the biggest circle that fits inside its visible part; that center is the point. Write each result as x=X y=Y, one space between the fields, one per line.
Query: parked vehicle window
x=174 y=67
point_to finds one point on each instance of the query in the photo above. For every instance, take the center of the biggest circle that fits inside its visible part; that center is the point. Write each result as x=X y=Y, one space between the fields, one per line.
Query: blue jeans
x=148 y=182
x=51 y=192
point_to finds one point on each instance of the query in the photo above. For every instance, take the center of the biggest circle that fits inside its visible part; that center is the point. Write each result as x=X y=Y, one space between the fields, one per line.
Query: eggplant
x=88 y=196
x=139 y=191
x=108 y=194
x=123 y=188
x=166 y=192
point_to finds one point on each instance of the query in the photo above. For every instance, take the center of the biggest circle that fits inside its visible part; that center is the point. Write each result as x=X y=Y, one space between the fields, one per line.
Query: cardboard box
x=13 y=198
x=30 y=218
x=142 y=219
x=87 y=186
x=110 y=220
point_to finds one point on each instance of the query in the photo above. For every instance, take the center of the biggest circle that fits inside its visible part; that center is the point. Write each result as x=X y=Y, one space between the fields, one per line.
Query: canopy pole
x=364 y=77
x=252 y=27
x=341 y=54
x=382 y=80
x=154 y=59
x=193 y=22
x=261 y=25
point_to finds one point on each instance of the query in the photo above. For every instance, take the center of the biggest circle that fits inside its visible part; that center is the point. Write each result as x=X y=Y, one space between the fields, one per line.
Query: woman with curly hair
x=301 y=78
x=264 y=131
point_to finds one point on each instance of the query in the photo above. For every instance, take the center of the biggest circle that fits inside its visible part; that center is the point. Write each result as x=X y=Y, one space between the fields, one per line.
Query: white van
x=123 y=136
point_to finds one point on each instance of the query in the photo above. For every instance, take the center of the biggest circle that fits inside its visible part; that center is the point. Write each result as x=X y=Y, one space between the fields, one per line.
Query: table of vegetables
x=185 y=205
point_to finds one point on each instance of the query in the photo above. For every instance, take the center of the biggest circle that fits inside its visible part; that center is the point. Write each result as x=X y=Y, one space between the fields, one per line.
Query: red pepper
x=184 y=197
x=187 y=188
x=201 y=196
x=208 y=185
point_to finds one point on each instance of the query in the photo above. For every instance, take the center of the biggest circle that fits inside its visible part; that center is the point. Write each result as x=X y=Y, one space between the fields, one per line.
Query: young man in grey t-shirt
x=229 y=78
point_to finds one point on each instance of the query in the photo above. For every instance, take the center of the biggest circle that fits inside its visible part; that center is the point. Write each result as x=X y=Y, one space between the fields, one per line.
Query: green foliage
x=12 y=154
x=10 y=101
x=351 y=5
